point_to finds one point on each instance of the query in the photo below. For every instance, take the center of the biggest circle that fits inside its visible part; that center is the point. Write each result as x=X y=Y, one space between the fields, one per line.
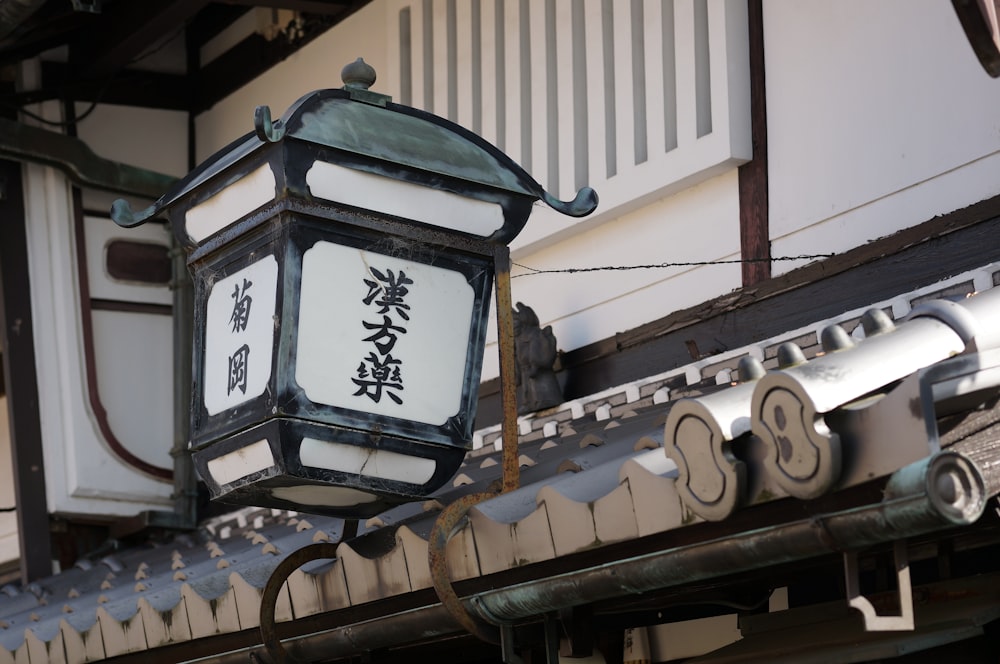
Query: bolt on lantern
x=343 y=258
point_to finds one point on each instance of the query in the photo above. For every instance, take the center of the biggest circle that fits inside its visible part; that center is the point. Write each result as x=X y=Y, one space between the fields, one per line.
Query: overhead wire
x=653 y=266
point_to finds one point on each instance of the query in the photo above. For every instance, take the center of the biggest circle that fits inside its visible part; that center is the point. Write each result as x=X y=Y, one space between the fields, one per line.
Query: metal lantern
x=343 y=258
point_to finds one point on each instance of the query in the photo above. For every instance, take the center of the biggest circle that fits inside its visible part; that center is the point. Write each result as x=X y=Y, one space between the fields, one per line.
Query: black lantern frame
x=268 y=449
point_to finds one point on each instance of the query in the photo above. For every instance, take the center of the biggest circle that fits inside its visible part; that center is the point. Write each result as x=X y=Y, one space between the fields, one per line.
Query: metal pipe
x=185 y=482
x=938 y=492
x=923 y=497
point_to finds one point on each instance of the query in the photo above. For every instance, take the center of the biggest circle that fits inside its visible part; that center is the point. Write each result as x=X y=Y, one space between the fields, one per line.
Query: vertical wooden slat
x=428 y=61
x=668 y=66
x=17 y=360
x=121 y=637
x=580 y=92
x=163 y=627
x=718 y=62
x=210 y=616
x=81 y=645
x=754 y=225
x=624 y=134
x=439 y=41
x=451 y=49
x=581 y=100
x=38 y=650
x=566 y=108
x=462 y=61
x=539 y=94
x=639 y=82
x=687 y=125
x=593 y=21
x=400 y=50
x=703 y=62
x=490 y=74
x=477 y=67
x=512 y=70
x=417 y=51
x=552 y=77
x=303 y=593
x=655 y=42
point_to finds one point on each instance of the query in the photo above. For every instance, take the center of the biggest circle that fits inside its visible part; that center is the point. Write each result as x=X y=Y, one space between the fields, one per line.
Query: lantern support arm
x=508 y=379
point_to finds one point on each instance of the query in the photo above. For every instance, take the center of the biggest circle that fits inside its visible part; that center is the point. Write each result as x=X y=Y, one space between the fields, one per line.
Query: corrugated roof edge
x=45 y=633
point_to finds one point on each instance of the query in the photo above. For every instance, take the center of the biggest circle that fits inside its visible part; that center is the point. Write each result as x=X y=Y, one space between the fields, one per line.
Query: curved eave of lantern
x=365 y=132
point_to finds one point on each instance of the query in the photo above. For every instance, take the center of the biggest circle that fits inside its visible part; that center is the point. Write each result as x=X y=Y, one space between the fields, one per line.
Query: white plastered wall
x=698 y=224
x=879 y=118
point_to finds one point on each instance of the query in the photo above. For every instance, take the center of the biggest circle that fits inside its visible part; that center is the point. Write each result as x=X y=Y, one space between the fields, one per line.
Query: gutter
x=21 y=142
x=944 y=490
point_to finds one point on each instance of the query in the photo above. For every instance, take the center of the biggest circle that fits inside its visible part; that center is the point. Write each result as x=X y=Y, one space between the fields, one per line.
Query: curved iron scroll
x=437 y=559
x=269 y=600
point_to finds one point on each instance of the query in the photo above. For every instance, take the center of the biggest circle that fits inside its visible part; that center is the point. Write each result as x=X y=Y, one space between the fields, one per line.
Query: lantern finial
x=358 y=75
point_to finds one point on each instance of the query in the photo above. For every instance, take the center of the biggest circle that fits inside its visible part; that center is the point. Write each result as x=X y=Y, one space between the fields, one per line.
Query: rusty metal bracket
x=449 y=518
x=874 y=622
x=508 y=646
x=551 y=638
x=508 y=378
x=508 y=651
x=437 y=559
x=269 y=599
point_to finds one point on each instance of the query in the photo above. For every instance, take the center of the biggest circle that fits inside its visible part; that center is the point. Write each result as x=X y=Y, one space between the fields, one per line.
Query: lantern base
x=320 y=469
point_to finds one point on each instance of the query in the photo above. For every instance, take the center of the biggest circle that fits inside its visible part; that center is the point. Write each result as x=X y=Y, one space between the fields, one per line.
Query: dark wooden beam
x=234 y=69
x=755 y=242
x=130 y=87
x=210 y=21
x=255 y=54
x=131 y=29
x=52 y=25
x=320 y=7
x=18 y=355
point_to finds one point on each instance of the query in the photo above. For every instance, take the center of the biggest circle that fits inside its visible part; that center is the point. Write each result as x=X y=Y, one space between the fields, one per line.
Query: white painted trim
x=78 y=461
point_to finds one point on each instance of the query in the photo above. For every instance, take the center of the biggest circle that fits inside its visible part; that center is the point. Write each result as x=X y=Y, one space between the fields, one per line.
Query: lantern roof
x=393 y=138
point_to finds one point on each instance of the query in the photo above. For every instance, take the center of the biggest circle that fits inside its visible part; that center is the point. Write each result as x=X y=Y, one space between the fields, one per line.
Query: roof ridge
x=979 y=279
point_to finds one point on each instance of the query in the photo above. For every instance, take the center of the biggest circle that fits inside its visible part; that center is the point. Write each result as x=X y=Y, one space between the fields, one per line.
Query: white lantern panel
x=403 y=199
x=382 y=334
x=237 y=464
x=235 y=201
x=366 y=461
x=323 y=496
x=239 y=335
